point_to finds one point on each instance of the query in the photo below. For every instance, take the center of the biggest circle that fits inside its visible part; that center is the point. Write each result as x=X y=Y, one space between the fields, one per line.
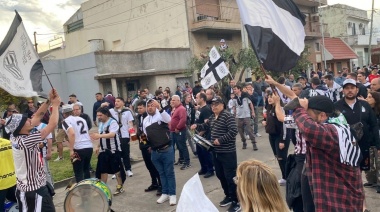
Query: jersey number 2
x=82 y=131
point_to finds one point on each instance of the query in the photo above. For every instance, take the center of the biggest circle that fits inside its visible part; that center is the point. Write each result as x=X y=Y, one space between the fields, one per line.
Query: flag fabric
x=275 y=29
x=214 y=70
x=20 y=67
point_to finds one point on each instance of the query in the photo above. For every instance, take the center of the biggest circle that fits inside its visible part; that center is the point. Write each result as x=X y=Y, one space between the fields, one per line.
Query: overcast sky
x=48 y=16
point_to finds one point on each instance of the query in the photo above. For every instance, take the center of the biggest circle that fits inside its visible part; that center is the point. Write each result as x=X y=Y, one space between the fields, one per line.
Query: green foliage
x=248 y=60
x=6 y=98
x=303 y=63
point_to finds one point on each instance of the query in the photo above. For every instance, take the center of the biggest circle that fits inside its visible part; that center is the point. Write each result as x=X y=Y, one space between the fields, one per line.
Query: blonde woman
x=258 y=189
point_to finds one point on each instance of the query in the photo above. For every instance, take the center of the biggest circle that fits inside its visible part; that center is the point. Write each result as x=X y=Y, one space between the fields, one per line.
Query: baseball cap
x=14 y=123
x=300 y=77
x=349 y=81
x=321 y=103
x=217 y=99
x=67 y=108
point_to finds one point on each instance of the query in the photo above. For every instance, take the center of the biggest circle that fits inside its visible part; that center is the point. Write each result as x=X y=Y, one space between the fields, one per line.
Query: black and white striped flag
x=214 y=70
x=20 y=66
x=275 y=29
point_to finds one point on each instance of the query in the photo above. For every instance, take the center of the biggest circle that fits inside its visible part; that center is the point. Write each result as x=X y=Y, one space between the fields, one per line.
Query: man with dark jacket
x=223 y=136
x=190 y=111
x=145 y=150
x=99 y=101
x=197 y=88
x=355 y=111
x=315 y=90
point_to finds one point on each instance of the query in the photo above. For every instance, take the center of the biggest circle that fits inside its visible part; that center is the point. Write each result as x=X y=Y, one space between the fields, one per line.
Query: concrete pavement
x=135 y=199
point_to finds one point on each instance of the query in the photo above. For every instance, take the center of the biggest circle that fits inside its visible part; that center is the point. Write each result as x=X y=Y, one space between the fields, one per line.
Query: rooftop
x=339 y=49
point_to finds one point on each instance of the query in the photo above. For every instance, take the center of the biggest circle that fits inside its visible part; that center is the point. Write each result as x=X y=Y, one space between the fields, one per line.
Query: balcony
x=313 y=30
x=210 y=18
x=311 y=3
x=360 y=40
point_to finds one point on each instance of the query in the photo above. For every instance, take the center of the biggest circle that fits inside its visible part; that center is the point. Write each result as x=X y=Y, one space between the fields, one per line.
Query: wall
x=73 y=75
x=129 y=25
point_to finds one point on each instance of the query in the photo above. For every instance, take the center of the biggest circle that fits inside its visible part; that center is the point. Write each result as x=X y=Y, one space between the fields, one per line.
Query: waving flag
x=214 y=70
x=275 y=29
x=20 y=66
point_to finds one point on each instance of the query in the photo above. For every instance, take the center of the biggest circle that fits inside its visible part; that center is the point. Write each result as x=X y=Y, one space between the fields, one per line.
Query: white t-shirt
x=50 y=136
x=231 y=105
x=79 y=125
x=126 y=117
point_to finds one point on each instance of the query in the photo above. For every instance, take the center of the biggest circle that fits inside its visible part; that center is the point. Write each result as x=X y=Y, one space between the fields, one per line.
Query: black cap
x=321 y=103
x=300 y=77
x=217 y=99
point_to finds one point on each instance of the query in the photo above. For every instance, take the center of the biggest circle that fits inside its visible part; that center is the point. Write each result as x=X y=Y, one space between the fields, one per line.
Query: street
x=135 y=199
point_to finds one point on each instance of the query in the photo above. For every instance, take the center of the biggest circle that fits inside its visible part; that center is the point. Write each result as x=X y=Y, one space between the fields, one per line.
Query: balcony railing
x=215 y=16
x=313 y=29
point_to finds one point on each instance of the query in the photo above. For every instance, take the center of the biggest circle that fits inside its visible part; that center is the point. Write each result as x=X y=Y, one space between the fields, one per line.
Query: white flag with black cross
x=214 y=70
x=20 y=67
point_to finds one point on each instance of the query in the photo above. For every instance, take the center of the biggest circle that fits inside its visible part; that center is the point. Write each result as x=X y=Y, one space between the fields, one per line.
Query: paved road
x=135 y=199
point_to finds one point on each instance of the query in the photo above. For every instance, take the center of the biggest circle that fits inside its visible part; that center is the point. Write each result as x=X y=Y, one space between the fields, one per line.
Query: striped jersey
x=80 y=127
x=113 y=144
x=334 y=93
x=50 y=136
x=29 y=169
x=126 y=116
x=222 y=128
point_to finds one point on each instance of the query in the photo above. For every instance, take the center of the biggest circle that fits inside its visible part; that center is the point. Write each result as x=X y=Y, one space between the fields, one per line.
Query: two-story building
x=351 y=25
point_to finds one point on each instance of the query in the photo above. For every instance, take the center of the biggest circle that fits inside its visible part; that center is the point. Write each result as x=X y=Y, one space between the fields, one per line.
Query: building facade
x=350 y=24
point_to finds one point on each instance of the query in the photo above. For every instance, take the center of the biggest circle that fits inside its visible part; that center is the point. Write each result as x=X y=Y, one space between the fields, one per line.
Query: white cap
x=67 y=108
x=349 y=81
x=222 y=41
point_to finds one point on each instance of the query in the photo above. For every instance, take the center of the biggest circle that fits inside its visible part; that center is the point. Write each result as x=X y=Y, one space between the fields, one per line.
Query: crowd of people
x=333 y=122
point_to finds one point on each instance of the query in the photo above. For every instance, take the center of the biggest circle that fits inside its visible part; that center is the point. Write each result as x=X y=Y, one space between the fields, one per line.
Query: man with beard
x=355 y=111
x=210 y=94
x=334 y=89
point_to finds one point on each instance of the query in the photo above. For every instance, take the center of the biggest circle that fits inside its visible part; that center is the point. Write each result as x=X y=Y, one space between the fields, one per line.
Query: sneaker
x=151 y=188
x=58 y=159
x=282 y=182
x=369 y=185
x=129 y=173
x=246 y=136
x=159 y=191
x=234 y=207
x=185 y=166
x=225 y=202
x=163 y=198
x=119 y=190
x=172 y=200
x=200 y=172
x=255 y=147
x=209 y=174
x=113 y=177
x=179 y=162
x=258 y=135
x=244 y=145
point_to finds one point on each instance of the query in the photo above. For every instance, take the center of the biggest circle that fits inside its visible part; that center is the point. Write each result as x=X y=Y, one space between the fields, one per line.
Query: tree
x=6 y=99
x=303 y=62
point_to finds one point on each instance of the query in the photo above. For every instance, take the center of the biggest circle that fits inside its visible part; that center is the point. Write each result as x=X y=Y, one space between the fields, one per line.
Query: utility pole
x=323 y=37
x=370 y=34
x=35 y=41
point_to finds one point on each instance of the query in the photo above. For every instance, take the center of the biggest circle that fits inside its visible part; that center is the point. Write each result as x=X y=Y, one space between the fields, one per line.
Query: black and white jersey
x=334 y=93
x=112 y=144
x=79 y=125
x=126 y=117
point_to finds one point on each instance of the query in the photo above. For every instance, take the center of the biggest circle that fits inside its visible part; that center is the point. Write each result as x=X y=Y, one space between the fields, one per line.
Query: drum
x=88 y=195
x=199 y=140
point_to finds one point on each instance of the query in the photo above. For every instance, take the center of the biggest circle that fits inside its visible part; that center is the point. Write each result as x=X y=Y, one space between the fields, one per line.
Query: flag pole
x=35 y=46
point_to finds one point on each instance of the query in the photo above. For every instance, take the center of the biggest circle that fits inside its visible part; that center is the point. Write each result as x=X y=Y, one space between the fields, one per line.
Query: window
x=339 y=66
x=363 y=31
x=77 y=25
x=353 y=29
x=317 y=47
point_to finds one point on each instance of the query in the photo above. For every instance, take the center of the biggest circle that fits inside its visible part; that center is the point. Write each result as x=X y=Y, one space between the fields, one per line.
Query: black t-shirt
x=204 y=113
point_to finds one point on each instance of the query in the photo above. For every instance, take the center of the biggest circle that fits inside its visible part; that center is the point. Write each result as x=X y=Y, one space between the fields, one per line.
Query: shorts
x=108 y=162
x=61 y=136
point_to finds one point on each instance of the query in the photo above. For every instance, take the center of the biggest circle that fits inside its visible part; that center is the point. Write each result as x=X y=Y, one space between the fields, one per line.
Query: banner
x=20 y=66
x=214 y=70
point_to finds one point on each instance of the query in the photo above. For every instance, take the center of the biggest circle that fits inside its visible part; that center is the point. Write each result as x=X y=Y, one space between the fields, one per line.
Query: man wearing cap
x=32 y=192
x=10 y=110
x=155 y=127
x=303 y=82
x=331 y=179
x=355 y=111
x=223 y=45
x=223 y=136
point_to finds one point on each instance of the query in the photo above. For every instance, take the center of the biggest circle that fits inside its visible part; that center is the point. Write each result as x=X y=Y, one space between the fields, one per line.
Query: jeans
x=205 y=159
x=225 y=169
x=259 y=100
x=125 y=151
x=149 y=165
x=82 y=167
x=49 y=177
x=180 y=140
x=163 y=160
x=280 y=154
x=307 y=197
x=245 y=123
